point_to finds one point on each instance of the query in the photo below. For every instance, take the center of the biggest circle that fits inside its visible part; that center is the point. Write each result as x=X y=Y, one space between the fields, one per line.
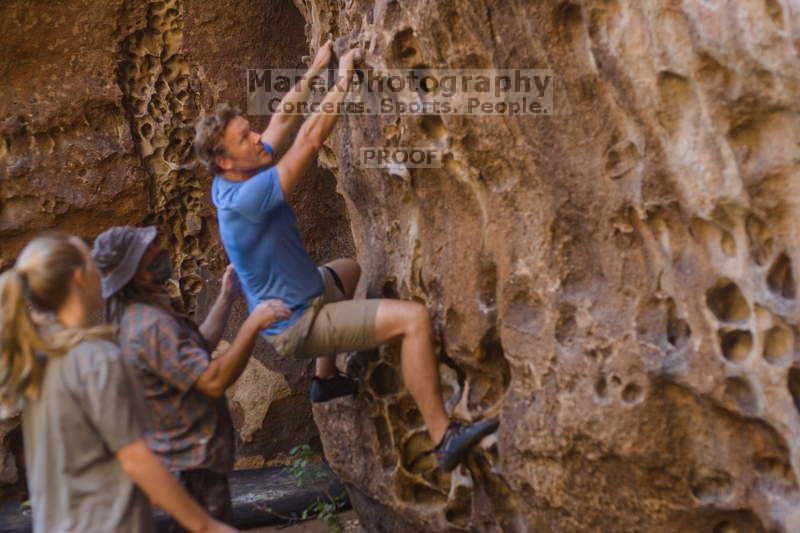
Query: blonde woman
x=85 y=457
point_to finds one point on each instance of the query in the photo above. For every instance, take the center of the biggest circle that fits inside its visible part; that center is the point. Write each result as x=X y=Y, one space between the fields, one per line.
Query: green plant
x=327 y=511
x=306 y=469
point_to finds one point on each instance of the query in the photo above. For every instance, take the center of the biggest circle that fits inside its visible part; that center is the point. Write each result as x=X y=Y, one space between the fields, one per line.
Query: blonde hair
x=31 y=292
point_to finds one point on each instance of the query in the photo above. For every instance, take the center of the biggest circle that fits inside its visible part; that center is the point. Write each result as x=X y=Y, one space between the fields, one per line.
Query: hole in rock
x=525 y=314
x=735 y=344
x=488 y=385
x=760 y=239
x=389 y=289
x=714 y=235
x=778 y=344
x=415 y=453
x=565 y=326
x=728 y=244
x=621 y=159
x=384 y=380
x=710 y=485
x=406 y=411
x=423 y=85
x=775 y=12
x=793 y=379
x=569 y=16
x=740 y=521
x=458 y=515
x=488 y=282
x=357 y=363
x=405 y=44
x=601 y=387
x=433 y=127
x=438 y=478
x=678 y=330
x=725 y=527
x=461 y=376
x=447 y=391
x=632 y=393
x=727 y=302
x=407 y=52
x=480 y=392
x=780 y=279
x=776 y=473
x=600 y=353
x=676 y=93
x=740 y=393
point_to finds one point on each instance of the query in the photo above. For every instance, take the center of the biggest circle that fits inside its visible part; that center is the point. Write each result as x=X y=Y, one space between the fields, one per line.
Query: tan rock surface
x=252 y=394
x=615 y=282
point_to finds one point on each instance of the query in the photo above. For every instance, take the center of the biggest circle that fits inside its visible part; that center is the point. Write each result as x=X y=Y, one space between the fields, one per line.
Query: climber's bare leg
x=411 y=323
x=349 y=272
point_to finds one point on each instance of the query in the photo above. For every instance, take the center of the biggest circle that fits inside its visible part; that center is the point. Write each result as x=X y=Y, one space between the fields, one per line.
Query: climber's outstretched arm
x=316 y=129
x=282 y=124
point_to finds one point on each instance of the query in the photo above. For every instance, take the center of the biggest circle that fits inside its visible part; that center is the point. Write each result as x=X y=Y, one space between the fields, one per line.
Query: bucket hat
x=117 y=252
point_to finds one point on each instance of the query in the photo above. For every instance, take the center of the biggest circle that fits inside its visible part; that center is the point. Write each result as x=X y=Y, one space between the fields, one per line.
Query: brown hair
x=209 y=133
x=34 y=288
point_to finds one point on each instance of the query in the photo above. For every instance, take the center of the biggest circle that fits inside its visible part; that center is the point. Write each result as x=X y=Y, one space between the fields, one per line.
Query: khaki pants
x=330 y=325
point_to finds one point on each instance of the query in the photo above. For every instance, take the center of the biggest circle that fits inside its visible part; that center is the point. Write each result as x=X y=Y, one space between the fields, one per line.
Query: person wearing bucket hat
x=258 y=228
x=189 y=424
x=87 y=466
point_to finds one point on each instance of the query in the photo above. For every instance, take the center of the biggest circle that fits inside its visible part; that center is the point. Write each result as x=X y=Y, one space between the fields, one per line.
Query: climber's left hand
x=324 y=55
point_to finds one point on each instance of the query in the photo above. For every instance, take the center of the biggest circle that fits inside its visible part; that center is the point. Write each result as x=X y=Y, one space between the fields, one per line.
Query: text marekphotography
x=509 y=92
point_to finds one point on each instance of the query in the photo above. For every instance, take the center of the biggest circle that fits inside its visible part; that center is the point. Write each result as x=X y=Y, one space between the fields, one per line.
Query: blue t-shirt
x=259 y=232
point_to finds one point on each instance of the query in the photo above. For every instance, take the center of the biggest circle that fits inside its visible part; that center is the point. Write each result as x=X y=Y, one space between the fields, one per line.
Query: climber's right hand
x=324 y=55
x=348 y=60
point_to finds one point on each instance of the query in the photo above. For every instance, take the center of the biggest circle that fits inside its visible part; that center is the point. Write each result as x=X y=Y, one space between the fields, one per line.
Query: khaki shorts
x=330 y=325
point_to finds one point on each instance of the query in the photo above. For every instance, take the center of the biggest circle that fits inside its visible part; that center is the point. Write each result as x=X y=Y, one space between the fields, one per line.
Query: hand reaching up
x=324 y=55
x=348 y=60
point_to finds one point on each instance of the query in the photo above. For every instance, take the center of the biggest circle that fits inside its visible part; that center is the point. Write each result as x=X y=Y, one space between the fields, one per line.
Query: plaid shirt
x=187 y=429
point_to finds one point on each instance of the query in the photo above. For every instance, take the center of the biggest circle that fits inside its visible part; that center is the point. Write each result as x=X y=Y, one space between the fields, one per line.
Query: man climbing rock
x=190 y=427
x=260 y=234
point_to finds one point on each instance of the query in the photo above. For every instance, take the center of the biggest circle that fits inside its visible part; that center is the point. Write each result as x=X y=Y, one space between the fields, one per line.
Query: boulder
x=615 y=281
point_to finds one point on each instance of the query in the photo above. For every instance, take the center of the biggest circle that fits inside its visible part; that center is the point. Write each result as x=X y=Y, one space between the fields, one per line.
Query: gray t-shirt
x=87 y=410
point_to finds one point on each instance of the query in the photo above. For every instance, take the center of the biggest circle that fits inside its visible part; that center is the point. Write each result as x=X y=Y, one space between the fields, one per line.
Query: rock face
x=616 y=282
x=96 y=121
x=66 y=154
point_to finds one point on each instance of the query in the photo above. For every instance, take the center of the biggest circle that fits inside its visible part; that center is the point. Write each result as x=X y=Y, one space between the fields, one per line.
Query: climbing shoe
x=325 y=390
x=458 y=440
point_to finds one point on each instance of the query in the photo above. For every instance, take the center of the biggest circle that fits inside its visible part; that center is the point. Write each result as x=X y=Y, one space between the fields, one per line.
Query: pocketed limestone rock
x=616 y=281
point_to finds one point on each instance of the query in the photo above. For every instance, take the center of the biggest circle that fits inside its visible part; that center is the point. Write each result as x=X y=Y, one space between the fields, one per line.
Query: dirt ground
x=349 y=521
